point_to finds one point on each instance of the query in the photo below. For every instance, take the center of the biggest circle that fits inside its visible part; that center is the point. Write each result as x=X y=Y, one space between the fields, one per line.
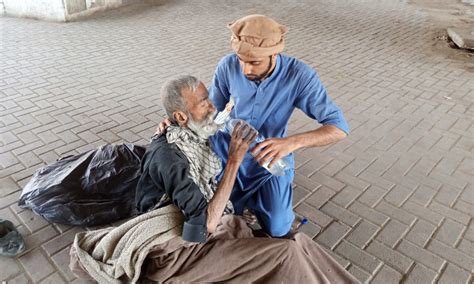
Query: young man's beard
x=205 y=128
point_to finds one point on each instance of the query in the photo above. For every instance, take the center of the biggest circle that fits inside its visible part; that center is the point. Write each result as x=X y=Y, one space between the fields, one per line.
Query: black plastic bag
x=94 y=188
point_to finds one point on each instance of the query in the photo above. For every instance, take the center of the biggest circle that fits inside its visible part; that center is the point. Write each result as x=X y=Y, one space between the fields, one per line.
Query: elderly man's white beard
x=204 y=129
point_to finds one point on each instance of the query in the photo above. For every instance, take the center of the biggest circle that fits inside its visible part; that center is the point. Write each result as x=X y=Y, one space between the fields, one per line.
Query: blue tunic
x=267 y=106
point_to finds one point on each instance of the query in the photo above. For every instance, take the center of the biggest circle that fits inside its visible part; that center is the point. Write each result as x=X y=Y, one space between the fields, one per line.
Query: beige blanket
x=114 y=255
x=231 y=254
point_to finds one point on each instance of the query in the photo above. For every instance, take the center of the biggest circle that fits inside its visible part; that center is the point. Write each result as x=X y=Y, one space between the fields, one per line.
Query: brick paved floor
x=392 y=202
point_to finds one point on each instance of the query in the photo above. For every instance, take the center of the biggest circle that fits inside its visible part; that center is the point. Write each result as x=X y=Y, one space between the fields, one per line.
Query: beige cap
x=257 y=36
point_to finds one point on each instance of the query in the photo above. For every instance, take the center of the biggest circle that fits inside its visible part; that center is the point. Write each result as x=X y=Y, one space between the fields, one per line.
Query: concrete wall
x=58 y=10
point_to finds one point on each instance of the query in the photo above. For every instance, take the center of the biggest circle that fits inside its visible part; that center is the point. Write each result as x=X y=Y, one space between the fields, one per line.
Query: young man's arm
x=312 y=98
x=277 y=148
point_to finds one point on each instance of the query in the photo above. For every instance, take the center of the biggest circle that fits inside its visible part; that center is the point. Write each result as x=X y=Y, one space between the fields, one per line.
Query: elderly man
x=266 y=87
x=179 y=167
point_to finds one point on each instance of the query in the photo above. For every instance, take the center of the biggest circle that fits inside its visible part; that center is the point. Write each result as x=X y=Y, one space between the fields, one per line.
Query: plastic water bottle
x=279 y=167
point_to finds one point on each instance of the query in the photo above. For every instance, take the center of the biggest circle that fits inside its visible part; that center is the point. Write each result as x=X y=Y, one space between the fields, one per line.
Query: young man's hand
x=161 y=129
x=242 y=137
x=273 y=149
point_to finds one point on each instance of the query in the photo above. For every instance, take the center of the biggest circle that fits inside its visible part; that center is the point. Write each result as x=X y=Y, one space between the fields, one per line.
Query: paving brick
x=353 y=181
x=372 y=196
x=450 y=232
x=368 y=213
x=39 y=237
x=109 y=136
x=423 y=195
x=54 y=245
x=299 y=194
x=377 y=180
x=362 y=234
x=358 y=165
x=310 y=229
x=398 y=195
x=307 y=183
x=9 y=268
x=339 y=259
x=53 y=279
x=320 y=196
x=68 y=148
x=451 y=254
x=392 y=233
x=421 y=274
x=7 y=187
x=49 y=147
x=450 y=213
x=8 y=159
x=358 y=256
x=32 y=221
x=448 y=195
x=387 y=275
x=391 y=257
x=468 y=194
x=464 y=207
x=49 y=157
x=27 y=148
x=327 y=181
x=8 y=200
x=421 y=233
x=19 y=279
x=29 y=159
x=82 y=281
x=423 y=212
x=454 y=274
x=346 y=196
x=26 y=173
x=333 y=234
x=421 y=255
x=340 y=214
x=7 y=214
x=311 y=166
x=395 y=212
x=61 y=260
x=36 y=265
x=466 y=247
x=359 y=274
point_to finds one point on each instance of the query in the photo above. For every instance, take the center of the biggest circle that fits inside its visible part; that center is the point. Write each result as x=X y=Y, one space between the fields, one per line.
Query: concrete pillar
x=39 y=9
x=58 y=10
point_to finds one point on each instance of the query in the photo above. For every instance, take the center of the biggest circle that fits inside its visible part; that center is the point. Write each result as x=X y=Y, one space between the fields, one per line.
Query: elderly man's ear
x=180 y=117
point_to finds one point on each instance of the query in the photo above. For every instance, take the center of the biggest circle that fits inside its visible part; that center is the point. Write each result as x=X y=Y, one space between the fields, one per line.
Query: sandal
x=11 y=242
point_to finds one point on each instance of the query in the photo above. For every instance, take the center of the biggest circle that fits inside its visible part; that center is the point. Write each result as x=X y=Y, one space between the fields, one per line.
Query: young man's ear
x=180 y=117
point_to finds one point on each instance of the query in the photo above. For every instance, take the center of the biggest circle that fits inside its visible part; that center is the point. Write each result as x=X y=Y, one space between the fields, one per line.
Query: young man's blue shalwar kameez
x=267 y=106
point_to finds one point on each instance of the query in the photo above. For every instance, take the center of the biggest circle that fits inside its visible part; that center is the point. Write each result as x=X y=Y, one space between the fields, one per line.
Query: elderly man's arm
x=242 y=137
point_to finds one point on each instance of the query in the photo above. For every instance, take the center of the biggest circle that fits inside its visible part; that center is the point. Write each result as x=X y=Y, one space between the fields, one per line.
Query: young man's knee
x=279 y=229
x=279 y=225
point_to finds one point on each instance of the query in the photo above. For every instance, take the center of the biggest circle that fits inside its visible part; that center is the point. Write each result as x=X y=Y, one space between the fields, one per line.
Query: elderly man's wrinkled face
x=256 y=68
x=201 y=111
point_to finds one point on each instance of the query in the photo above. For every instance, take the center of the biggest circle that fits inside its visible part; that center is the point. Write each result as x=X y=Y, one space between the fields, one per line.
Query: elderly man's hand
x=242 y=137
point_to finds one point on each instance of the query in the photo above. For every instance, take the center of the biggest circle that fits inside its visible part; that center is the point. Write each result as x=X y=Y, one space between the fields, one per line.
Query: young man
x=266 y=87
